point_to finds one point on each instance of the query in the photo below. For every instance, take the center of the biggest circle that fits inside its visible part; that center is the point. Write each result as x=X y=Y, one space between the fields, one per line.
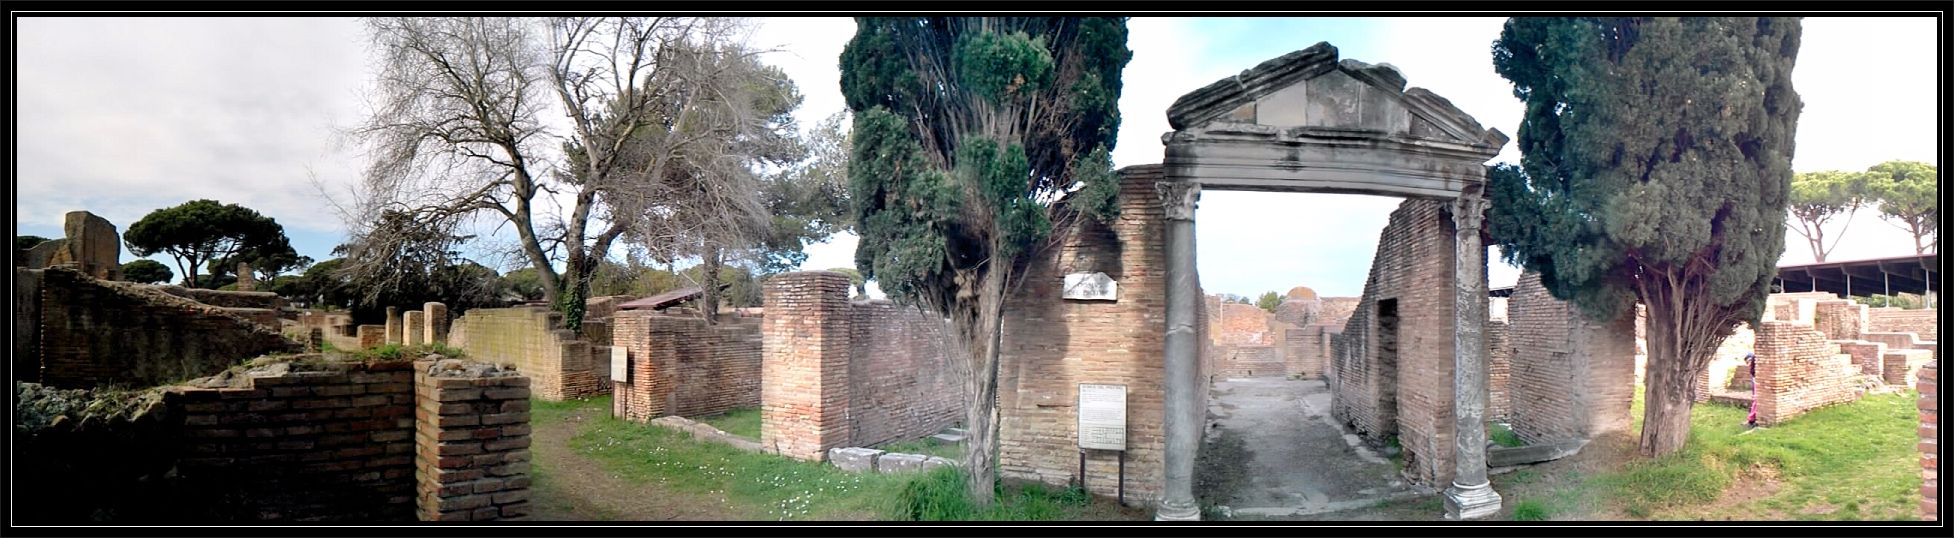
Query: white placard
x=620 y=365
x=1091 y=287
x=1102 y=416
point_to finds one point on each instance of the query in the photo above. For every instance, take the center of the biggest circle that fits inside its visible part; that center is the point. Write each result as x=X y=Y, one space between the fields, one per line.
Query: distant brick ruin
x=1248 y=341
x=836 y=373
x=1816 y=349
x=91 y=246
x=75 y=331
x=562 y=365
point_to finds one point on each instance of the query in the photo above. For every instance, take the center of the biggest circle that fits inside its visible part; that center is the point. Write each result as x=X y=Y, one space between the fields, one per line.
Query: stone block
x=898 y=463
x=854 y=459
x=934 y=462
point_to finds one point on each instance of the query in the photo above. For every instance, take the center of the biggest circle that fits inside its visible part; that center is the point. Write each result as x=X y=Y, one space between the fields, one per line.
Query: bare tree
x=458 y=130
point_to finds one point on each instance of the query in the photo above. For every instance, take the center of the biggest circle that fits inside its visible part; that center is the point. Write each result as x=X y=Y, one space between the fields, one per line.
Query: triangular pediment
x=1312 y=89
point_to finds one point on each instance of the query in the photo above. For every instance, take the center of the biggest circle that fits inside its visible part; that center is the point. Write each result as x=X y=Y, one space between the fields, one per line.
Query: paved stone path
x=1301 y=463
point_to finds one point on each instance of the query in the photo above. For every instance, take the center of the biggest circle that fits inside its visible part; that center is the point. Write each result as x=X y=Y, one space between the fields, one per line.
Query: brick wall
x=561 y=366
x=95 y=332
x=1239 y=324
x=681 y=366
x=471 y=440
x=230 y=299
x=1798 y=370
x=1901 y=367
x=1411 y=399
x=1051 y=345
x=1727 y=371
x=1930 y=441
x=902 y=384
x=1571 y=377
x=804 y=360
x=1867 y=357
x=1924 y=322
x=1839 y=319
x=1337 y=310
x=1249 y=361
x=332 y=444
x=26 y=362
x=1499 y=368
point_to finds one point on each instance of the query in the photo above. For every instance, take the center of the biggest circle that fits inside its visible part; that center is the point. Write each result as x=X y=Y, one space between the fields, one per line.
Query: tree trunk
x=976 y=330
x=709 y=289
x=1684 y=330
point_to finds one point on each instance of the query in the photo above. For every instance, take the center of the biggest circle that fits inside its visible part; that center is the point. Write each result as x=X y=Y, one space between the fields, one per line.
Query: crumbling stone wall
x=1839 y=319
x=681 y=366
x=561 y=366
x=26 y=362
x=1798 y=370
x=1571 y=377
x=902 y=384
x=90 y=245
x=1924 y=322
x=95 y=332
x=227 y=299
x=1409 y=397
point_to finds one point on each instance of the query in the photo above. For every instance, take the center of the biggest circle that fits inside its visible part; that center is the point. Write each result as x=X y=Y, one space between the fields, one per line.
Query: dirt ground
x=569 y=487
x=1297 y=462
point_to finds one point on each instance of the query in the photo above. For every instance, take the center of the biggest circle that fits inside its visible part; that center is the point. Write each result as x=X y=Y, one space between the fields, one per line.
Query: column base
x=1169 y=512
x=1462 y=502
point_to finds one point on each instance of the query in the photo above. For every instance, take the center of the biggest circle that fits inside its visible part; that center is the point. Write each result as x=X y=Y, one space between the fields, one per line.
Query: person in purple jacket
x=1750 y=359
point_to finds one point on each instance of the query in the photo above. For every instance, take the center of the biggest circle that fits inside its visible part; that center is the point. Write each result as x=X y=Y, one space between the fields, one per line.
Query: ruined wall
x=1051 y=345
x=94 y=332
x=1411 y=397
x=228 y=299
x=1930 y=441
x=681 y=366
x=561 y=366
x=1499 y=368
x=1839 y=319
x=26 y=361
x=1798 y=370
x=1236 y=324
x=1337 y=310
x=471 y=440
x=1924 y=322
x=1571 y=377
x=804 y=360
x=902 y=384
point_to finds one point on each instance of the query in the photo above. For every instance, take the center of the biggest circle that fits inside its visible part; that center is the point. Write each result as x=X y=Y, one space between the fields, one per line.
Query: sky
x=124 y=116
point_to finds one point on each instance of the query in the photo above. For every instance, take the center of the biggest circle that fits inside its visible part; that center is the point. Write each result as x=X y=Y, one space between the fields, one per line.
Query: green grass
x=1854 y=461
x=926 y=446
x=1531 y=510
x=771 y=487
x=1503 y=435
x=743 y=422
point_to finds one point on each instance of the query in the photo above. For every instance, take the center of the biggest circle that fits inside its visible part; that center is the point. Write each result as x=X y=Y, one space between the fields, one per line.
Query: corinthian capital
x=1178 y=198
x=1468 y=212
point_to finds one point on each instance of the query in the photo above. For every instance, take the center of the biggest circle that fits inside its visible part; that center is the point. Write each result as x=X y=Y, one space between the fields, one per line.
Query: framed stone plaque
x=1102 y=417
x=620 y=364
x=1091 y=287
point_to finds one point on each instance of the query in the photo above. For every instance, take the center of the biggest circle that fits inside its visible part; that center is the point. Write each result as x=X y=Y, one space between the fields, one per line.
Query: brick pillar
x=246 y=280
x=437 y=323
x=471 y=442
x=1929 y=440
x=315 y=340
x=393 y=324
x=804 y=364
x=412 y=328
x=371 y=336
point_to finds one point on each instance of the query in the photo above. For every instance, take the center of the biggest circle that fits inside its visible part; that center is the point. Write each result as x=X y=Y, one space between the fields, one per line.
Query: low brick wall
x=303 y=439
x=1840 y=319
x=561 y=366
x=1902 y=367
x=1930 y=441
x=94 y=332
x=471 y=440
x=1237 y=361
x=681 y=366
x=1571 y=377
x=1798 y=370
x=1924 y=322
x=229 y=299
x=1867 y=357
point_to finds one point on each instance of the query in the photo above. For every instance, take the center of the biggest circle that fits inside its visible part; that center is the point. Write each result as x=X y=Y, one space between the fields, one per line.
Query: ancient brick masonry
x=1571 y=378
x=472 y=443
x=805 y=353
x=681 y=366
x=1051 y=345
x=901 y=383
x=1930 y=441
x=561 y=365
x=332 y=445
x=1798 y=370
x=1499 y=368
x=94 y=332
x=1924 y=322
x=1398 y=382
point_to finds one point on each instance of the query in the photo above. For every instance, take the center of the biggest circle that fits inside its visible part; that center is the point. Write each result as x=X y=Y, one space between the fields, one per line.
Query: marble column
x=1184 y=414
x=1471 y=495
